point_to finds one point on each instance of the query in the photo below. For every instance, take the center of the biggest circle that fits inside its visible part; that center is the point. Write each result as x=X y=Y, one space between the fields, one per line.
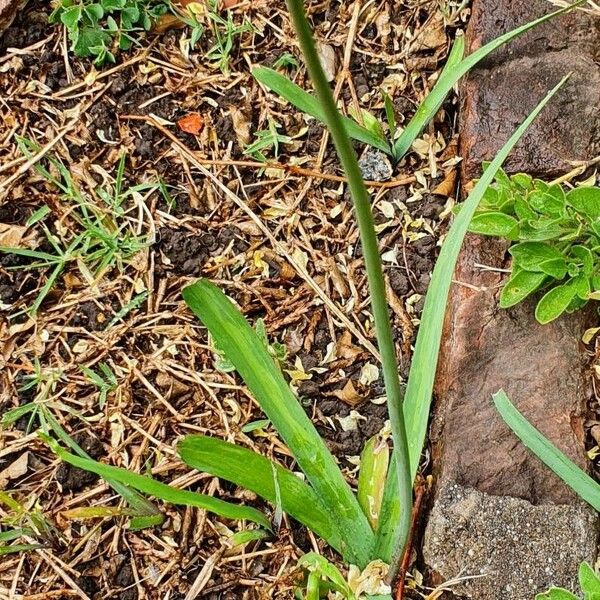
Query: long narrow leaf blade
x=4 y=550
x=242 y=346
x=159 y=490
x=419 y=389
x=308 y=104
x=452 y=73
x=550 y=455
x=429 y=107
x=260 y=475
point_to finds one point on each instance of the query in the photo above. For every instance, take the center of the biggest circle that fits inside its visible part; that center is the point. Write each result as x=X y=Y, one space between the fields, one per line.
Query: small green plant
x=102 y=236
x=104 y=379
x=555 y=237
x=267 y=140
x=225 y=31
x=286 y=60
x=589 y=582
x=98 y=28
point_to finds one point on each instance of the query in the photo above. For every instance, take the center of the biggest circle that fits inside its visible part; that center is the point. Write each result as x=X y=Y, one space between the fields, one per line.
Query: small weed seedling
x=225 y=31
x=555 y=237
x=21 y=520
x=106 y=235
x=201 y=17
x=98 y=28
x=589 y=582
x=267 y=140
x=104 y=379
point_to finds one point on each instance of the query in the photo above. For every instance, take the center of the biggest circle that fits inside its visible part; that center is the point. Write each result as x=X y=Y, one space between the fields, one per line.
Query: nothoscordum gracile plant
x=363 y=532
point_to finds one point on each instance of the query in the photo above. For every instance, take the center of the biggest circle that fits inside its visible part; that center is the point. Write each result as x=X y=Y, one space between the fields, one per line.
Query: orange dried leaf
x=191 y=123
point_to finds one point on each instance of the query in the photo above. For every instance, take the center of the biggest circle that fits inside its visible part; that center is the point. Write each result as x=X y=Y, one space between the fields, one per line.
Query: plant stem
x=364 y=216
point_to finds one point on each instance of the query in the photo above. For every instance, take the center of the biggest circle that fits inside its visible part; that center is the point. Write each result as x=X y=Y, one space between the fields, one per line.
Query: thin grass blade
x=308 y=104
x=159 y=490
x=419 y=389
x=455 y=69
x=265 y=478
x=241 y=345
x=585 y=487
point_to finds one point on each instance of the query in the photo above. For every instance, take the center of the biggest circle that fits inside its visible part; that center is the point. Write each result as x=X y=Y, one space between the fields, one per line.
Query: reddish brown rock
x=541 y=368
x=496 y=101
x=573 y=30
x=498 y=96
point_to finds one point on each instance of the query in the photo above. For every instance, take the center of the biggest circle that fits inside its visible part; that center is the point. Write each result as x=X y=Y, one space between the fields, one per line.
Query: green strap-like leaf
x=308 y=104
x=453 y=71
x=145 y=513
x=419 y=387
x=262 y=476
x=234 y=336
x=159 y=490
x=585 y=487
x=429 y=107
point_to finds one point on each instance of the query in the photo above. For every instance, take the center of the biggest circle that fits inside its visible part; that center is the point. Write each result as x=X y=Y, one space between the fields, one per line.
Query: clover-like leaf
x=70 y=17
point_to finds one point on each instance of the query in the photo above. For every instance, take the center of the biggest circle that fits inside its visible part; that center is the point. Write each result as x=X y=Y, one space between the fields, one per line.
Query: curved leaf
x=161 y=490
x=262 y=476
x=581 y=483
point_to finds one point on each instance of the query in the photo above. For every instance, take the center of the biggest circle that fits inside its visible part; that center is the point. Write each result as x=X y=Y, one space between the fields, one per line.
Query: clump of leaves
x=556 y=241
x=98 y=28
x=588 y=581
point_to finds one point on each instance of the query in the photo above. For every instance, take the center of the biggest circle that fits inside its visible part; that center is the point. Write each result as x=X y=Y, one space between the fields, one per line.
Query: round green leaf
x=555 y=302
